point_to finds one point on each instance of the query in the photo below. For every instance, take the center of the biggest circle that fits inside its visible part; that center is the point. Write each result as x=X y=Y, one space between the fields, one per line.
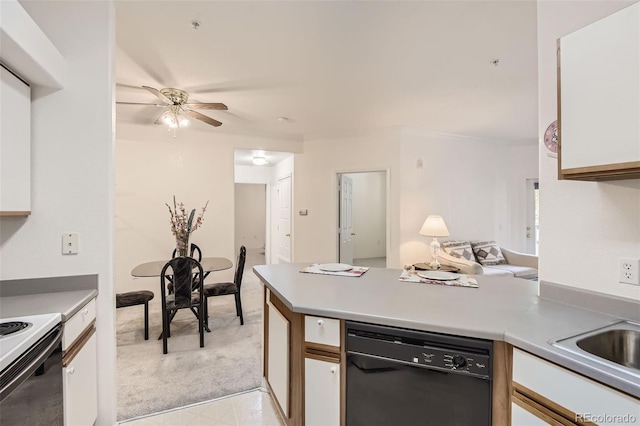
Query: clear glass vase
x=182 y=245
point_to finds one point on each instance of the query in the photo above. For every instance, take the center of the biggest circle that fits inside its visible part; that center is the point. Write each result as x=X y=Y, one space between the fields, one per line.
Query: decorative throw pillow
x=488 y=253
x=459 y=249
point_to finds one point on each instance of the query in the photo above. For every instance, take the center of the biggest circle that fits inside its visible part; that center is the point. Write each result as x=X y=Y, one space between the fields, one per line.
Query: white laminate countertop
x=65 y=302
x=502 y=308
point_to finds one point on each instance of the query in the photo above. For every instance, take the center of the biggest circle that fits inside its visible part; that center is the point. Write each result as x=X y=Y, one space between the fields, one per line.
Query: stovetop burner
x=11 y=327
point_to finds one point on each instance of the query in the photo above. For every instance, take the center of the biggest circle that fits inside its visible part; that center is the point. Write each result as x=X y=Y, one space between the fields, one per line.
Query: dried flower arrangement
x=182 y=225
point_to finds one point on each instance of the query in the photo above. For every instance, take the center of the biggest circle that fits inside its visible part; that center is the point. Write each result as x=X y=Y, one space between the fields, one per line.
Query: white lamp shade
x=434 y=226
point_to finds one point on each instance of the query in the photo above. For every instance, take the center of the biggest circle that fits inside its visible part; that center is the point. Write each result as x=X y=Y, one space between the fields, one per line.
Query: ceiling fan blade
x=140 y=103
x=158 y=94
x=202 y=117
x=218 y=106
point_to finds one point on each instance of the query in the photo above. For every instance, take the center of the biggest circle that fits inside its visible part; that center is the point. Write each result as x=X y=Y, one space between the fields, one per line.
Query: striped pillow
x=488 y=253
x=459 y=249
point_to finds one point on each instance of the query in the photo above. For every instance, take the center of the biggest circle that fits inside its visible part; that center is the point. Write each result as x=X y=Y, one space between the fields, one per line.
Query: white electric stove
x=18 y=334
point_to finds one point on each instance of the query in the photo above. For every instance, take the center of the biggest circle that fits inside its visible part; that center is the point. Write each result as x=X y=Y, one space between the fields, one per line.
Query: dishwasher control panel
x=422 y=349
x=459 y=361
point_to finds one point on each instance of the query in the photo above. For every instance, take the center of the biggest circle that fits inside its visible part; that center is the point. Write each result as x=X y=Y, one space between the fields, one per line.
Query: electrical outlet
x=629 y=271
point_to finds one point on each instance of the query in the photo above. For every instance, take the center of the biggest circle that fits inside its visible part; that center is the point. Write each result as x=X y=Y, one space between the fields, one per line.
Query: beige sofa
x=517 y=264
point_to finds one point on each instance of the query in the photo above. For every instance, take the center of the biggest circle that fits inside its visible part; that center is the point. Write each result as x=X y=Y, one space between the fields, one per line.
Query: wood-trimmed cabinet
x=599 y=99
x=15 y=145
x=547 y=394
x=79 y=369
x=304 y=365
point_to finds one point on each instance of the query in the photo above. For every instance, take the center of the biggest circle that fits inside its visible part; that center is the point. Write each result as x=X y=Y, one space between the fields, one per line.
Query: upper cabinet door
x=15 y=145
x=599 y=99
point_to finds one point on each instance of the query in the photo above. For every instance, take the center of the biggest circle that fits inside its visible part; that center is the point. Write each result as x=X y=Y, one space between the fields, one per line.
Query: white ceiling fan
x=177 y=107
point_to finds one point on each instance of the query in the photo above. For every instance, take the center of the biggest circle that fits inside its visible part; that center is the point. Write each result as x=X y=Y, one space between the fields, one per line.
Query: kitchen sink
x=617 y=345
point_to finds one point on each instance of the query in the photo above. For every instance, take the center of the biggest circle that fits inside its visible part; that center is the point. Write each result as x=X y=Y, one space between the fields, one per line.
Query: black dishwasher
x=405 y=377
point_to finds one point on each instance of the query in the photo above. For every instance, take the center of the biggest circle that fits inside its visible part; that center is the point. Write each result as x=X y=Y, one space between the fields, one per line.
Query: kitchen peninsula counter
x=500 y=309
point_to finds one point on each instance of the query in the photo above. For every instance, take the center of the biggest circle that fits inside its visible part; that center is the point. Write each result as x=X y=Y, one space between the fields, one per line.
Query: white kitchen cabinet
x=79 y=368
x=558 y=394
x=324 y=331
x=278 y=356
x=599 y=99
x=15 y=145
x=322 y=392
x=522 y=417
x=80 y=386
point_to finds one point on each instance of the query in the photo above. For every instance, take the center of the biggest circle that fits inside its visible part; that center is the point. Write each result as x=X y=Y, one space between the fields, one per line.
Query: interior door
x=346 y=220
x=284 y=220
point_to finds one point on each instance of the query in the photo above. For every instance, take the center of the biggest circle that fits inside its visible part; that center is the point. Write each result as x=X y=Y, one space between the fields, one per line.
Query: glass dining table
x=154 y=269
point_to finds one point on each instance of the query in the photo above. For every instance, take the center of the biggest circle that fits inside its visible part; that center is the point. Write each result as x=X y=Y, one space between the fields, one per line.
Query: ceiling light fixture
x=174 y=117
x=259 y=160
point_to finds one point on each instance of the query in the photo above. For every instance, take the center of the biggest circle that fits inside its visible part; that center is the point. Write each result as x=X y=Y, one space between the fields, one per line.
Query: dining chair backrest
x=194 y=252
x=242 y=257
x=187 y=293
x=184 y=272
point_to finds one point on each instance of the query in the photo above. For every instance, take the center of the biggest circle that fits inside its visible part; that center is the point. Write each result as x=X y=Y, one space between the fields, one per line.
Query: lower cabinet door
x=521 y=417
x=80 y=387
x=278 y=361
x=321 y=393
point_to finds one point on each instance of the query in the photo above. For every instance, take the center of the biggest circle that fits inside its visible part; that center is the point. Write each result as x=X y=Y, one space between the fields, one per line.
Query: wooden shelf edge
x=15 y=213
x=617 y=171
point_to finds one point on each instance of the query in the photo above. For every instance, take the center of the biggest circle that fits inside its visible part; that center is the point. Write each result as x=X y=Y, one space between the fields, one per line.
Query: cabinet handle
x=320 y=323
x=333 y=370
x=71 y=370
x=86 y=311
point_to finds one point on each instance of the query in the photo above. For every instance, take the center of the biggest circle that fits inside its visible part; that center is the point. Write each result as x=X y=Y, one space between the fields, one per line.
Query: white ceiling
x=244 y=157
x=336 y=66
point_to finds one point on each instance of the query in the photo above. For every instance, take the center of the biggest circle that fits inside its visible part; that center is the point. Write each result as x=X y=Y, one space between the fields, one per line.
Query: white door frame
x=530 y=225
x=290 y=236
x=336 y=206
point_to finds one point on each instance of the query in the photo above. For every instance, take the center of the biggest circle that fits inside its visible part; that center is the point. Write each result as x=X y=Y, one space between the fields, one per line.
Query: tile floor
x=252 y=408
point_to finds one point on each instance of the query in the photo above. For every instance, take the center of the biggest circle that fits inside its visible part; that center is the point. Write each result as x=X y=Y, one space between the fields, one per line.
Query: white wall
x=72 y=172
x=250 y=215
x=196 y=166
x=585 y=227
x=315 y=186
x=369 y=214
x=477 y=186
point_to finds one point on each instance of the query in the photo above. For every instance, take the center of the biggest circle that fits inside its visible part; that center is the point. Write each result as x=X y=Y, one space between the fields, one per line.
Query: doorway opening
x=362 y=218
x=250 y=217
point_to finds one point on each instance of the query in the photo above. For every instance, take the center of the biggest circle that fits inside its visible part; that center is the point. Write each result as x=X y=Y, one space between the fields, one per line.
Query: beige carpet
x=230 y=362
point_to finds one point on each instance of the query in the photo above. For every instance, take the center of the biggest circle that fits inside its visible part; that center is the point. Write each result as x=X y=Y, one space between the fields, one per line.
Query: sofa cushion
x=487 y=253
x=459 y=249
x=488 y=270
x=517 y=271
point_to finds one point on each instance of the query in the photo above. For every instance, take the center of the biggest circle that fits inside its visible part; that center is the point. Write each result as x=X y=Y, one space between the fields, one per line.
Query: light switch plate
x=70 y=243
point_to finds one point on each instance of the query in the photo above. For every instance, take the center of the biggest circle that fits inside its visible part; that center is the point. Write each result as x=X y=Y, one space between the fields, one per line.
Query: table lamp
x=435 y=227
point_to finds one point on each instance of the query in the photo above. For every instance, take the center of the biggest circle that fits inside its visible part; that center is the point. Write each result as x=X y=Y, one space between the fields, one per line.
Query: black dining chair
x=196 y=254
x=194 y=250
x=184 y=272
x=227 y=288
